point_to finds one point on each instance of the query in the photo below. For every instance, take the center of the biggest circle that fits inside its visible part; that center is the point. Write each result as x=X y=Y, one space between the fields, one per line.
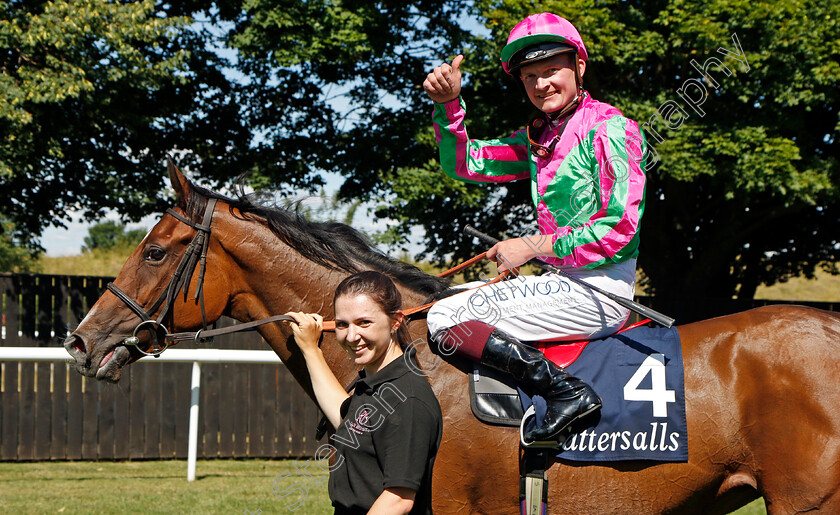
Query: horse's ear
x=180 y=184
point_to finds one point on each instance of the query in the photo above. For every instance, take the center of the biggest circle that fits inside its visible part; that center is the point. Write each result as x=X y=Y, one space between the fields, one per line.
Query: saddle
x=639 y=376
x=494 y=398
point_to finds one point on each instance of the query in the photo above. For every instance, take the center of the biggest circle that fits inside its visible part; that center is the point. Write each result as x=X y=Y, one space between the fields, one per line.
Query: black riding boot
x=567 y=397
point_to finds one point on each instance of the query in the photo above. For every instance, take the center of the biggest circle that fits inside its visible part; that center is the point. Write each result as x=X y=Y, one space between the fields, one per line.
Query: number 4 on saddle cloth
x=639 y=375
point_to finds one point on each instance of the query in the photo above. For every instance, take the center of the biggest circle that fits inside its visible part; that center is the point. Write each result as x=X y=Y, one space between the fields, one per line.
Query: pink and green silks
x=589 y=194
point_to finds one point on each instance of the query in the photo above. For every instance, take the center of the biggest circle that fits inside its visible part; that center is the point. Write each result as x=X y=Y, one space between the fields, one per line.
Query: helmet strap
x=571 y=106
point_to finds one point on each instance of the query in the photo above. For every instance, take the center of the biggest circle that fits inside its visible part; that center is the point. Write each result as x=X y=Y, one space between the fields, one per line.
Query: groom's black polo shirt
x=389 y=437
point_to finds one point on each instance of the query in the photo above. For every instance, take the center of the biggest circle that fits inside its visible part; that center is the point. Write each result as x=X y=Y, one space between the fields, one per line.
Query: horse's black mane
x=330 y=244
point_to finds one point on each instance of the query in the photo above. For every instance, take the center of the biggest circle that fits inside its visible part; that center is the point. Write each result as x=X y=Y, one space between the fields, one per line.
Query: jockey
x=585 y=161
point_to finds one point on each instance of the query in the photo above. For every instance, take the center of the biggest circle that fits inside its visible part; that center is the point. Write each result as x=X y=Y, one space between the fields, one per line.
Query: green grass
x=754 y=508
x=221 y=486
x=108 y=262
x=824 y=287
x=104 y=262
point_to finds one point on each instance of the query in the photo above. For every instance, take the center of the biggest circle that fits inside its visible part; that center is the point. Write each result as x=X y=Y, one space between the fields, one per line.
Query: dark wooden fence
x=49 y=412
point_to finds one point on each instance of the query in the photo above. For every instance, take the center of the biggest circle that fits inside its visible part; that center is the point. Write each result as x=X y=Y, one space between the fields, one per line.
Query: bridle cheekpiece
x=196 y=253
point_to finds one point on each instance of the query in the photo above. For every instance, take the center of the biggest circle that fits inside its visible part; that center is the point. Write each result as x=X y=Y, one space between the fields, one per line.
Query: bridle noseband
x=196 y=253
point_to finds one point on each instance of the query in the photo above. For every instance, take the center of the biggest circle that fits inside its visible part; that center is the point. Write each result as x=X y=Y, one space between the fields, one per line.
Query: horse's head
x=260 y=261
x=155 y=289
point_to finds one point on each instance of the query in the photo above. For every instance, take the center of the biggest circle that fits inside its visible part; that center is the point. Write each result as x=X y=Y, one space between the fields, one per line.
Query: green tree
x=336 y=84
x=92 y=96
x=14 y=257
x=94 y=93
x=110 y=235
x=330 y=208
x=352 y=69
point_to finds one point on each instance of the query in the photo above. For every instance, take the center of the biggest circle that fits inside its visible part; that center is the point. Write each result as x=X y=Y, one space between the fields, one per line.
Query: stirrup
x=546 y=444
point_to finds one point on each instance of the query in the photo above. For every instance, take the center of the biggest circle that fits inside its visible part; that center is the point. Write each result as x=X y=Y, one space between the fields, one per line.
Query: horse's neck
x=272 y=278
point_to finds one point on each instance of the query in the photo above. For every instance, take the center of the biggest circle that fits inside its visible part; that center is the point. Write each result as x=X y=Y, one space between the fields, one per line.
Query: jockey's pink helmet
x=537 y=29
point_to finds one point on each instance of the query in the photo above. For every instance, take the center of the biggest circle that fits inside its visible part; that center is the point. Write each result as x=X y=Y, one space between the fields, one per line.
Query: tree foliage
x=94 y=94
x=14 y=257
x=336 y=85
x=110 y=235
x=742 y=191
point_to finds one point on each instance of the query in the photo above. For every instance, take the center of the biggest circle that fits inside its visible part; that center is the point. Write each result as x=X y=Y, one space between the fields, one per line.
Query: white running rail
x=194 y=356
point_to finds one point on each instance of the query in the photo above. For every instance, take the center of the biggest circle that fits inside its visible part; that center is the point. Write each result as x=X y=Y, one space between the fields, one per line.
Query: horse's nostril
x=73 y=342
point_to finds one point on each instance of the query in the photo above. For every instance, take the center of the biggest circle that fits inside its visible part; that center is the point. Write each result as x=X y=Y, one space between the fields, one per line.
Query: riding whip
x=645 y=311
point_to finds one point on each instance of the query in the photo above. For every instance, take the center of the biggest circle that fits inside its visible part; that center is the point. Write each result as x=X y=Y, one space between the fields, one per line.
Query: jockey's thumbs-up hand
x=444 y=82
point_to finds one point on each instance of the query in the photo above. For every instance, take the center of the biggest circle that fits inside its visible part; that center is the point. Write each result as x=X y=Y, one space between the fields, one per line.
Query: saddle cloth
x=639 y=376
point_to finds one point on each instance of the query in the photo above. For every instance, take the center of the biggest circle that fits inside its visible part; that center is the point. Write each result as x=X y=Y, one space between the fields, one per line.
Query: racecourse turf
x=222 y=486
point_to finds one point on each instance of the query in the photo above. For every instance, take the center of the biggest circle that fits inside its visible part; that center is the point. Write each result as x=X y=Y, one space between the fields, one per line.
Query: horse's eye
x=154 y=254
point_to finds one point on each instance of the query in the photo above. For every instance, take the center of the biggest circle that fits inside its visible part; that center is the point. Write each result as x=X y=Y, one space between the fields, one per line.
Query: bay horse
x=761 y=387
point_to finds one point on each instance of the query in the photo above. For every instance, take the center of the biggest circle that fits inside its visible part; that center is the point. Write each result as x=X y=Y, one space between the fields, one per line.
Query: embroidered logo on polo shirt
x=362 y=423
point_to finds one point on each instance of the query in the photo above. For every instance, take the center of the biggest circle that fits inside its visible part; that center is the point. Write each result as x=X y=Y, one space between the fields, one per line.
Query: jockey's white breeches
x=547 y=307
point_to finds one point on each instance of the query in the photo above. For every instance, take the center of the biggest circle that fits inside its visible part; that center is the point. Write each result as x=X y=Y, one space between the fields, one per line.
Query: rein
x=451 y=271
x=327 y=326
x=196 y=254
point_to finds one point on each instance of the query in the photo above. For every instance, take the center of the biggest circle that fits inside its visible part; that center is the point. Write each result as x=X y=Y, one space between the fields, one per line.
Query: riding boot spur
x=567 y=398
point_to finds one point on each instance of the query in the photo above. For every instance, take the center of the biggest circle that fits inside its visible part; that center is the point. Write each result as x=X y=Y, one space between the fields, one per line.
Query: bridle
x=196 y=252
